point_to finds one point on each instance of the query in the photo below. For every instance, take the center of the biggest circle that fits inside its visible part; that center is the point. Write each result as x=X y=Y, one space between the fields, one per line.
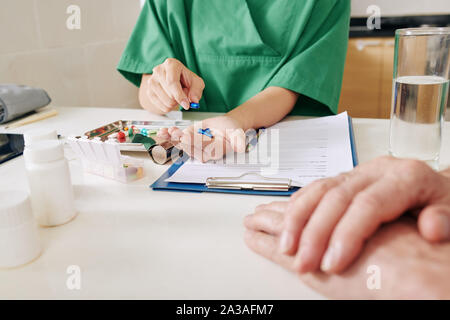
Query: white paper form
x=300 y=150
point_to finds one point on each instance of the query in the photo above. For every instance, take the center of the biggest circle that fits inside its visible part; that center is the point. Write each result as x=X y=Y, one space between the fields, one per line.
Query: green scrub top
x=241 y=47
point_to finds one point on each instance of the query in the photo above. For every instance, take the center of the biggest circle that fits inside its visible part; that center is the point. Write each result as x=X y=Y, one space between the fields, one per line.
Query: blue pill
x=206 y=132
x=195 y=105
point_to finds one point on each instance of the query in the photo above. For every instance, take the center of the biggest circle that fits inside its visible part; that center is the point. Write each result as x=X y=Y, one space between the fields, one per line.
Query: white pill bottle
x=19 y=237
x=51 y=191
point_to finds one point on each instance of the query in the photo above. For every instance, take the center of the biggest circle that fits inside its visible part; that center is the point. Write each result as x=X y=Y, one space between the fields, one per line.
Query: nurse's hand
x=328 y=222
x=228 y=136
x=171 y=84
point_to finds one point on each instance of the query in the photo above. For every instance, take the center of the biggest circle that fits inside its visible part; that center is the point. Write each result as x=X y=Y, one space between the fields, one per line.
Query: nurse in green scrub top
x=255 y=61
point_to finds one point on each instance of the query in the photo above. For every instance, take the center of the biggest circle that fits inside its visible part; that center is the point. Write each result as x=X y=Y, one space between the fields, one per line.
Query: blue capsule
x=195 y=105
x=205 y=132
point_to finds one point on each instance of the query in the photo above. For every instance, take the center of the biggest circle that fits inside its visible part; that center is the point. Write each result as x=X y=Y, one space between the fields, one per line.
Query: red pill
x=121 y=136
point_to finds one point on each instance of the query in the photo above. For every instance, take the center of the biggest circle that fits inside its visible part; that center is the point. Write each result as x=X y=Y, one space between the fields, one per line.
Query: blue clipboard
x=162 y=185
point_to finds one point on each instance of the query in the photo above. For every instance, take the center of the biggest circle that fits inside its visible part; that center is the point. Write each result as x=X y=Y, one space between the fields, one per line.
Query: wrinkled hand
x=409 y=267
x=328 y=221
x=228 y=136
x=172 y=84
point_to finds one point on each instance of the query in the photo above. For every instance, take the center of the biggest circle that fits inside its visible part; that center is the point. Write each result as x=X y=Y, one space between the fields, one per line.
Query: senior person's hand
x=328 y=221
x=408 y=266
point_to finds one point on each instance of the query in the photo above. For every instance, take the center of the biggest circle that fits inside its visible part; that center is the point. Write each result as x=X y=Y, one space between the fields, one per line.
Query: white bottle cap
x=36 y=135
x=44 y=151
x=19 y=239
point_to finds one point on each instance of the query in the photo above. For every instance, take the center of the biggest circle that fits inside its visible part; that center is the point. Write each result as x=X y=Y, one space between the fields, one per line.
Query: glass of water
x=420 y=93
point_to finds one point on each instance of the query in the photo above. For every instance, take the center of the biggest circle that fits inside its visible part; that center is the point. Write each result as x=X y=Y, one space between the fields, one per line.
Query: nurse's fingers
x=156 y=101
x=236 y=138
x=187 y=140
x=157 y=78
x=163 y=134
x=192 y=137
x=266 y=221
x=190 y=150
x=172 y=82
x=193 y=144
x=175 y=134
x=167 y=101
x=196 y=87
x=195 y=153
x=217 y=148
x=211 y=148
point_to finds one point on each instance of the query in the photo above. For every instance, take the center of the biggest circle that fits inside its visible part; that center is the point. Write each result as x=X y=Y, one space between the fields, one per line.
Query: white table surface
x=132 y=242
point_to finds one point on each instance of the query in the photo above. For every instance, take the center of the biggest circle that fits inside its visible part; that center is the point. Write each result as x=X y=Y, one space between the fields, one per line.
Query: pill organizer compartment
x=104 y=159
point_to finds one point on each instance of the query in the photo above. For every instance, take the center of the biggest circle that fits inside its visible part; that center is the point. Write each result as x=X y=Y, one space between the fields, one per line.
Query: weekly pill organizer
x=112 y=131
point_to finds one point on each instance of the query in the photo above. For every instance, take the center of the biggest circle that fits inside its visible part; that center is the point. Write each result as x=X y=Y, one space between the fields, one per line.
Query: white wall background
x=76 y=67
x=402 y=7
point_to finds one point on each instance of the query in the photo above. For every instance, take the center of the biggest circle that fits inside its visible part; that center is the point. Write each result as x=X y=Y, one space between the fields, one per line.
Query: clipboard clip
x=238 y=183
